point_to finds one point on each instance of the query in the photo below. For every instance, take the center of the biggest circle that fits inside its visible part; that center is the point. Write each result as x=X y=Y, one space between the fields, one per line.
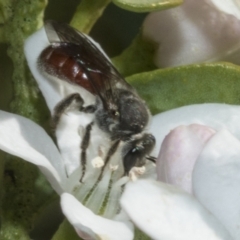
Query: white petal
x=216 y=116
x=179 y=152
x=33 y=47
x=230 y=6
x=165 y=212
x=69 y=135
x=69 y=139
x=91 y=226
x=21 y=137
x=216 y=180
x=53 y=89
x=194 y=32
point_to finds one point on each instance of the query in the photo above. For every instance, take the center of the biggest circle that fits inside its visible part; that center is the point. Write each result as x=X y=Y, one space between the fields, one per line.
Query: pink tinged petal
x=91 y=226
x=216 y=180
x=23 y=138
x=194 y=32
x=165 y=212
x=178 y=154
x=216 y=116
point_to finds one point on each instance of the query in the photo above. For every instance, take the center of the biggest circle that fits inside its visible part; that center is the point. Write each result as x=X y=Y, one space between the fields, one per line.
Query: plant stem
x=87 y=13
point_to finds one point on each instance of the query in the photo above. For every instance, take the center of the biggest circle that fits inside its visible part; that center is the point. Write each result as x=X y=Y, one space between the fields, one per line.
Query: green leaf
x=6 y=10
x=2 y=35
x=174 y=87
x=139 y=235
x=138 y=57
x=27 y=18
x=48 y=219
x=26 y=190
x=66 y=231
x=147 y=5
x=87 y=13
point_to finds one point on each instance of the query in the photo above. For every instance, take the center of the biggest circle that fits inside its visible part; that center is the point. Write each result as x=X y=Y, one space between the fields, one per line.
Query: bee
x=118 y=110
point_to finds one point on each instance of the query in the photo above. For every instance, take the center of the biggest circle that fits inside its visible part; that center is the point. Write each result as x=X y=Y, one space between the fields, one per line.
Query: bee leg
x=151 y=159
x=84 y=146
x=88 y=109
x=132 y=159
x=129 y=161
x=63 y=105
x=136 y=152
x=110 y=153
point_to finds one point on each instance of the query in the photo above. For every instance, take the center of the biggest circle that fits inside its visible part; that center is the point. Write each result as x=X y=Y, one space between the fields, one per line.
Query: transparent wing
x=103 y=76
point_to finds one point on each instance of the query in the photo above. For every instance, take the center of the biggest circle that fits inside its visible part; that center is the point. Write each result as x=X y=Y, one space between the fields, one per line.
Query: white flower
x=25 y=139
x=160 y=210
x=197 y=31
x=203 y=160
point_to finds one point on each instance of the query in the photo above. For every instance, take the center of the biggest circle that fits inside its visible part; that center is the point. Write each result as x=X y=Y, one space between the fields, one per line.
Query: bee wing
x=103 y=76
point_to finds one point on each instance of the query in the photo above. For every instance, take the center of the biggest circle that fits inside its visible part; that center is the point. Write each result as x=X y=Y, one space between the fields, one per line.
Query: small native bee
x=118 y=109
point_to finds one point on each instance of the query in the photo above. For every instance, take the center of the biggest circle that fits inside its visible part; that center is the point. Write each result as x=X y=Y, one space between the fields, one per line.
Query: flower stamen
x=97 y=162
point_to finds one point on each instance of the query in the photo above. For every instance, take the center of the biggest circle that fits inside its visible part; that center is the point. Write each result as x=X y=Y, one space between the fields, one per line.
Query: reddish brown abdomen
x=59 y=62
